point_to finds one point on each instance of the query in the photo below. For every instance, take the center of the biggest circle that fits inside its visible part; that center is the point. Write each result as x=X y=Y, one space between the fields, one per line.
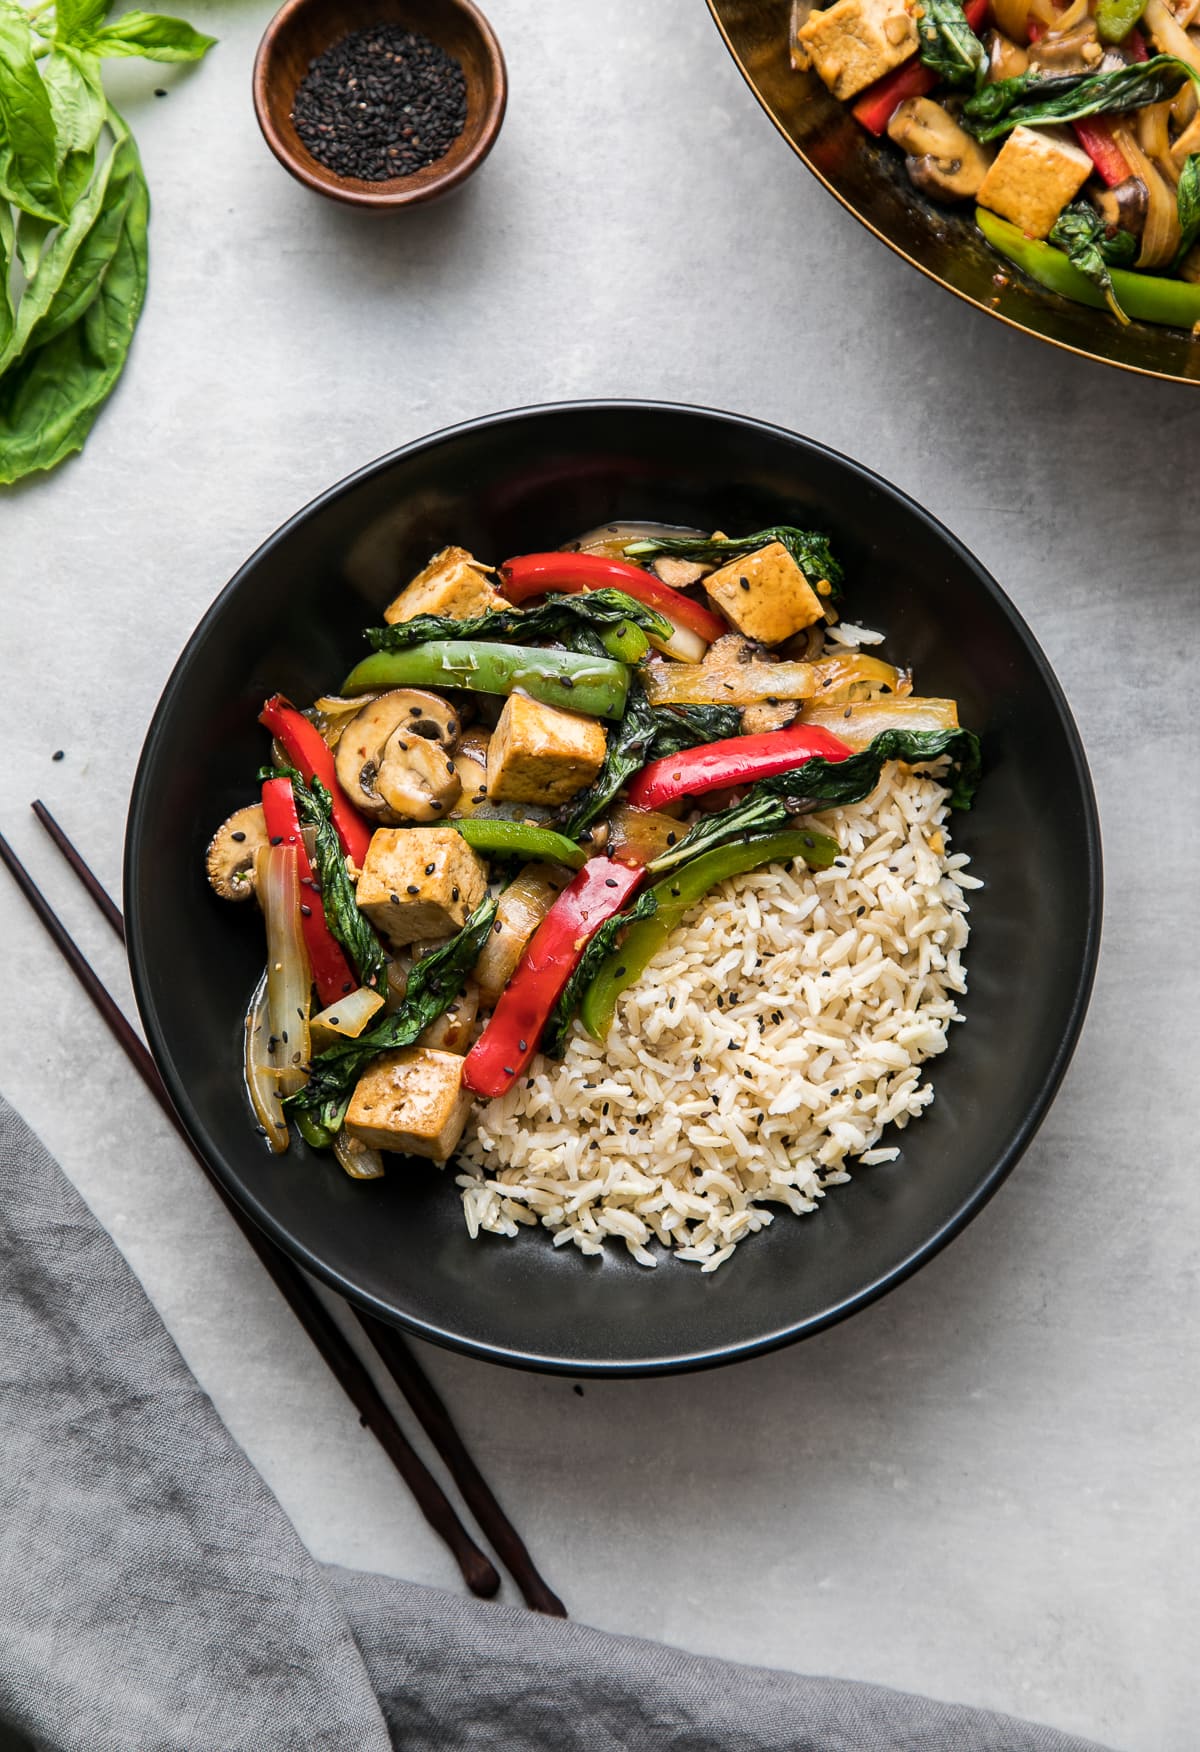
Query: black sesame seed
x=454 y=894
x=509 y=1071
x=521 y=1046
x=277 y=840
x=566 y=681
x=610 y=882
x=305 y=911
x=745 y=583
x=429 y=869
x=412 y=889
x=619 y=972
x=670 y=839
x=380 y=103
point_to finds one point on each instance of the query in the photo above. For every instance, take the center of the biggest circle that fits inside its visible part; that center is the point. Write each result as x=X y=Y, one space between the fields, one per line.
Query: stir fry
x=1073 y=126
x=485 y=834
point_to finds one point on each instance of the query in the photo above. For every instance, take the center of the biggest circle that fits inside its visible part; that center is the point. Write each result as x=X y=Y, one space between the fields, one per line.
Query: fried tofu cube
x=411 y=1101
x=1033 y=177
x=419 y=883
x=453 y=584
x=855 y=42
x=541 y=754
x=765 y=595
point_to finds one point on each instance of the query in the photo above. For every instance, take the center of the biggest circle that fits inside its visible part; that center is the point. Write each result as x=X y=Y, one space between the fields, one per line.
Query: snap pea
x=519 y=839
x=594 y=685
x=674 y=895
x=626 y=642
x=1145 y=297
x=1116 y=18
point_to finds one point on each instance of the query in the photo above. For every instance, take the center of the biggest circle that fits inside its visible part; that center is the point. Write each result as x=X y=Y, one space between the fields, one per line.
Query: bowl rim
x=714 y=7
x=141 y=809
x=398 y=191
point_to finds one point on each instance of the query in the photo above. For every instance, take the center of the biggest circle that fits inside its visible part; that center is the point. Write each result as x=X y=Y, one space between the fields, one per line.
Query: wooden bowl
x=303 y=29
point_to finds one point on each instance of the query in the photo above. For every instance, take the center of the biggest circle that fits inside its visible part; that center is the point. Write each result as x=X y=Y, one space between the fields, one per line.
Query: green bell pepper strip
x=315 y=1135
x=518 y=839
x=1145 y=297
x=595 y=685
x=625 y=642
x=675 y=895
x=1116 y=18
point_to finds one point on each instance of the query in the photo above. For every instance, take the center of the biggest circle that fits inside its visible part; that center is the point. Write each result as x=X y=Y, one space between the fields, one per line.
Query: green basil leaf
x=152 y=35
x=7 y=245
x=1187 y=197
x=77 y=102
x=28 y=153
x=76 y=19
x=32 y=232
x=69 y=274
x=50 y=398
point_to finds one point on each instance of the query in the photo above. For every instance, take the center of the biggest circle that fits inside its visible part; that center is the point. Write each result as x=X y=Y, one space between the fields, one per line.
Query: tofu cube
x=765 y=595
x=541 y=754
x=411 y=1101
x=1033 y=177
x=419 y=883
x=855 y=42
x=453 y=584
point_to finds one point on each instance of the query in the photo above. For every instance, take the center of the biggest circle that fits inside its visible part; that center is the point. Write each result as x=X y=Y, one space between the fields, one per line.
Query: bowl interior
x=869 y=178
x=304 y=29
x=291 y=621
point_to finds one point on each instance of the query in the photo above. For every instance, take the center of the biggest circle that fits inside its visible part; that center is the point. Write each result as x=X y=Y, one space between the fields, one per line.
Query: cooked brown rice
x=762 y=1053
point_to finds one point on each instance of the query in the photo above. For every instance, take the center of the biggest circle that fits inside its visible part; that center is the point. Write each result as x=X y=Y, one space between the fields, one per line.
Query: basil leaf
x=949 y=47
x=152 y=35
x=77 y=101
x=434 y=983
x=1032 y=98
x=28 y=157
x=678 y=727
x=625 y=755
x=554 y=619
x=811 y=551
x=554 y=1038
x=76 y=19
x=7 y=246
x=69 y=275
x=50 y=398
x=1082 y=235
x=1187 y=197
x=347 y=925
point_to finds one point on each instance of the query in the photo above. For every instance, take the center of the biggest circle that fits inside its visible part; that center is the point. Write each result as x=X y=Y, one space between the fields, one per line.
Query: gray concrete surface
x=987 y=1486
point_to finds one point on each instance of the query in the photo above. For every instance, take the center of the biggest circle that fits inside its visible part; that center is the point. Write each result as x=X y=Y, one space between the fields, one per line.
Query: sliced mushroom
x=679 y=573
x=943 y=160
x=471 y=760
x=1124 y=208
x=230 y=857
x=419 y=719
x=416 y=780
x=1074 y=51
x=1006 y=59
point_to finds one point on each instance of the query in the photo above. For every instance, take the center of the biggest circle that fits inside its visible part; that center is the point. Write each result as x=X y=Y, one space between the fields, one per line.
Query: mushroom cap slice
x=943 y=160
x=229 y=860
x=420 y=717
x=416 y=779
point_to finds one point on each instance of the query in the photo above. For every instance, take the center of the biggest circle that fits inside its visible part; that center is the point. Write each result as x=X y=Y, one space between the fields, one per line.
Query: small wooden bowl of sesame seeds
x=380 y=103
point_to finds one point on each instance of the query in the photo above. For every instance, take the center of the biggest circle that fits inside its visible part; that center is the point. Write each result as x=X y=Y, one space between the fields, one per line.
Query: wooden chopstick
x=478 y=1571
x=390 y=1344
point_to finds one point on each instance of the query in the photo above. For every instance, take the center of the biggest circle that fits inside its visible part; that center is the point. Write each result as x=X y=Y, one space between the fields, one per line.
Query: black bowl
x=291 y=620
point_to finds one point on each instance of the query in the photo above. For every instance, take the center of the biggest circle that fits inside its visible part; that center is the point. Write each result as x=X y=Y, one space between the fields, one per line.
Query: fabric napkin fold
x=155 y=1598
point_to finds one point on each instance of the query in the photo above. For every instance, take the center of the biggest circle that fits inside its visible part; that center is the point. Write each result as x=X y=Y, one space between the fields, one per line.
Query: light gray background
x=985 y=1487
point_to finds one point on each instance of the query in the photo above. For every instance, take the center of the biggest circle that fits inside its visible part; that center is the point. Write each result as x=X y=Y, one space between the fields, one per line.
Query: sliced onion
x=345 y=1018
x=611 y=539
x=1161 y=234
x=748 y=684
x=1168 y=35
x=289 y=981
x=637 y=836
x=358 y=1159
x=684 y=645
x=332 y=713
x=262 y=1078
x=1154 y=137
x=859 y=725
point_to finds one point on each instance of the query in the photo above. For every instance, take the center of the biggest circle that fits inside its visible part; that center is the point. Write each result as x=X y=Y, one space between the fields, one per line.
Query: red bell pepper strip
x=312 y=756
x=535 y=574
x=875 y=108
x=1096 y=137
x=738 y=760
x=331 y=972
x=1135 y=42
x=504 y=1049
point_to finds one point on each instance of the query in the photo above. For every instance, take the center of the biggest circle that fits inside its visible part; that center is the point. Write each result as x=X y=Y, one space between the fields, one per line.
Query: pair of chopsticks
x=478 y=1571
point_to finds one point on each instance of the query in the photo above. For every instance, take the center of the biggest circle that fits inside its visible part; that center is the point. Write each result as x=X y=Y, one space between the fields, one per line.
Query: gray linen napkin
x=154 y=1597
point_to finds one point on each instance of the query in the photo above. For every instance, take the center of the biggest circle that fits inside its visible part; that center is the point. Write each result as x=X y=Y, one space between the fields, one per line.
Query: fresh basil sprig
x=949 y=47
x=74 y=211
x=1082 y=235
